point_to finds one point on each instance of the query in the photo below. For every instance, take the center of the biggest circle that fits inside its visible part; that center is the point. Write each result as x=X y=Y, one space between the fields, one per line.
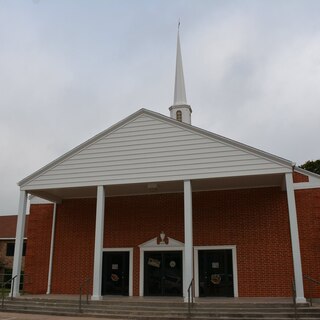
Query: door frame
x=130 y=250
x=234 y=266
x=157 y=248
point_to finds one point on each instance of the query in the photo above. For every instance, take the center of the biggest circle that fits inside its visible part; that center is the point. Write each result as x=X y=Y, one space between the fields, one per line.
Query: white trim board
x=11 y=239
x=306 y=185
x=234 y=265
x=130 y=250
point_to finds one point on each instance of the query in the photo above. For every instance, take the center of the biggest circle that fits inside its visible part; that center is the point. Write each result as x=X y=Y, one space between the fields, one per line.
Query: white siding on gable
x=149 y=149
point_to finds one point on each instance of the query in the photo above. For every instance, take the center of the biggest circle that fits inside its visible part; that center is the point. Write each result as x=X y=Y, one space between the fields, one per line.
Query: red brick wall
x=255 y=220
x=134 y=220
x=308 y=213
x=298 y=177
x=38 y=248
x=74 y=245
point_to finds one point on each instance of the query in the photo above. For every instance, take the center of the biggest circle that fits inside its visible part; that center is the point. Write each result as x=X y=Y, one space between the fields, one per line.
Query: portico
x=185 y=189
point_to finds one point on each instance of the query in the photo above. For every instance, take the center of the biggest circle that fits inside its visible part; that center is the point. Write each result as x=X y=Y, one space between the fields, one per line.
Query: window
x=179 y=115
x=10 y=249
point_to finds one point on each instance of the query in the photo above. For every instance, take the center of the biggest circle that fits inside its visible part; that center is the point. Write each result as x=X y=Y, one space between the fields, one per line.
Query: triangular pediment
x=166 y=243
x=149 y=147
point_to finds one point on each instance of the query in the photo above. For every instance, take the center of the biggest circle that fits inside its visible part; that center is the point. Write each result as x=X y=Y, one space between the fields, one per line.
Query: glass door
x=215 y=273
x=115 y=273
x=163 y=273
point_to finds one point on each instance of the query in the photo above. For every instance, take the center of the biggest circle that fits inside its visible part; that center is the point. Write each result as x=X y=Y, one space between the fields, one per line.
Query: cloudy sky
x=70 y=69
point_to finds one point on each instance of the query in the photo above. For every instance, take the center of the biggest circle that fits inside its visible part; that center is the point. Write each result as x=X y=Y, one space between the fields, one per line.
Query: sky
x=72 y=68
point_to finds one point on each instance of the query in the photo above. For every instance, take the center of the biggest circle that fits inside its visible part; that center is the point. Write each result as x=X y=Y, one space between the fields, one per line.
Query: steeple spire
x=179 y=87
x=180 y=110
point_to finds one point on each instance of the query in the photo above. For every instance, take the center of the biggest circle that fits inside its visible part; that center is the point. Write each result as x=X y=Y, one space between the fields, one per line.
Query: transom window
x=179 y=115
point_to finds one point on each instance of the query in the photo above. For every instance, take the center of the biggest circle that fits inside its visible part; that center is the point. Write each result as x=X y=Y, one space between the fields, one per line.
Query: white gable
x=154 y=243
x=150 y=148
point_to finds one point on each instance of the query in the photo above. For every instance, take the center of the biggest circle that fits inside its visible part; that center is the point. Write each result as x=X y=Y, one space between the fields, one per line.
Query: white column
x=97 y=267
x=188 y=239
x=16 y=270
x=295 y=239
x=52 y=247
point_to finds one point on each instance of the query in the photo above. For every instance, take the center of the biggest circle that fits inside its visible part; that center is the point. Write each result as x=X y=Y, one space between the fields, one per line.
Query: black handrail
x=190 y=294
x=12 y=288
x=84 y=283
x=313 y=281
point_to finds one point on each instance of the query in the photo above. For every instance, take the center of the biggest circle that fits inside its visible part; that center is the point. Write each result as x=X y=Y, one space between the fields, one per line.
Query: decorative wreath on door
x=215 y=278
x=114 y=277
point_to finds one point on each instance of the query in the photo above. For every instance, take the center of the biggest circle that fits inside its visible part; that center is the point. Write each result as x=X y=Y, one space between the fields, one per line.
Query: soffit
x=259 y=181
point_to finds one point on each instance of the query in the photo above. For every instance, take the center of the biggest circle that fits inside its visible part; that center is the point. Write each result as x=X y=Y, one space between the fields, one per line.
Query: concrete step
x=161 y=310
x=159 y=307
x=153 y=304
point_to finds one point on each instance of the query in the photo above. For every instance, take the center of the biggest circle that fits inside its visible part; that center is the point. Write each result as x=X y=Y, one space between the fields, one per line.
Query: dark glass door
x=115 y=273
x=163 y=273
x=215 y=273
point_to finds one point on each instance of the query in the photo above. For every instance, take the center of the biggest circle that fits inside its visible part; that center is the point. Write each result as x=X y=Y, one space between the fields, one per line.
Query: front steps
x=156 y=310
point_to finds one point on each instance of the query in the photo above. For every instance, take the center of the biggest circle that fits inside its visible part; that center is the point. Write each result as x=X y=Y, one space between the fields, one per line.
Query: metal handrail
x=84 y=283
x=190 y=296
x=12 y=288
x=24 y=279
x=313 y=281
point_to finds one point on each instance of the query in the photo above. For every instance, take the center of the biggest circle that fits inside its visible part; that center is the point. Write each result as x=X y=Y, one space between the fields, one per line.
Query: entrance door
x=163 y=273
x=215 y=273
x=115 y=273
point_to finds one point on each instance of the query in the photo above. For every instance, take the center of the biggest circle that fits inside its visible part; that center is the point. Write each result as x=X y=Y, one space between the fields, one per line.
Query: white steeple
x=180 y=110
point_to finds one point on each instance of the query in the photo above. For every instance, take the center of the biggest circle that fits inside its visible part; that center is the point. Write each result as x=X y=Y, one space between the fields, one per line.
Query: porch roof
x=258 y=181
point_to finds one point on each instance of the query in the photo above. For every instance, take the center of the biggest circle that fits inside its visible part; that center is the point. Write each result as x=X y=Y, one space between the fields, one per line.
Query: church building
x=154 y=205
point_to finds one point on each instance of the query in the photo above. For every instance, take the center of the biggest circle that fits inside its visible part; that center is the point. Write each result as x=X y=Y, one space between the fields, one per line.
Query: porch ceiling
x=243 y=182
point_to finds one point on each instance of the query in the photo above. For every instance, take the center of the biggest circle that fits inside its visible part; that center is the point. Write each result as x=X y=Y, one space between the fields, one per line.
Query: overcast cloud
x=70 y=69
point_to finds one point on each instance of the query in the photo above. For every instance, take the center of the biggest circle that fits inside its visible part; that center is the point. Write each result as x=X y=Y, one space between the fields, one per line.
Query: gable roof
x=142 y=125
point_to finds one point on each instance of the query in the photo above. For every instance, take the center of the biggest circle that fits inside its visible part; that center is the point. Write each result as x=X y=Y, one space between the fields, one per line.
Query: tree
x=312 y=166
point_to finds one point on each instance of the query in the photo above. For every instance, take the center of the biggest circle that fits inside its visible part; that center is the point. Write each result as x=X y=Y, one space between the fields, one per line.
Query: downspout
x=52 y=247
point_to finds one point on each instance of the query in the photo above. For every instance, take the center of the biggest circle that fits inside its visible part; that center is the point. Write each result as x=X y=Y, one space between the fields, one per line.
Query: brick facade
x=37 y=256
x=255 y=220
x=308 y=214
x=298 y=177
